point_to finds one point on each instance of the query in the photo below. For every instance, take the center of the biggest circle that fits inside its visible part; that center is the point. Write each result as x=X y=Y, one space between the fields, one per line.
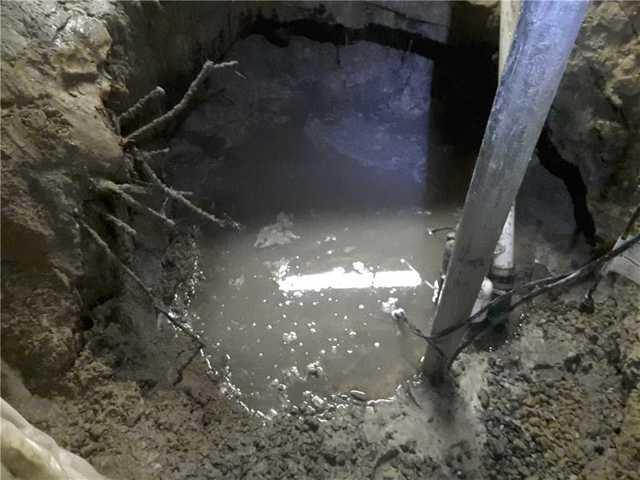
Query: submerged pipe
x=542 y=43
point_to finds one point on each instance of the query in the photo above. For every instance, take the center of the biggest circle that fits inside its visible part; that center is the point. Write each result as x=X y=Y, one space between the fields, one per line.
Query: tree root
x=108 y=187
x=145 y=109
x=116 y=222
x=154 y=156
x=133 y=189
x=148 y=171
x=183 y=367
x=158 y=305
x=174 y=116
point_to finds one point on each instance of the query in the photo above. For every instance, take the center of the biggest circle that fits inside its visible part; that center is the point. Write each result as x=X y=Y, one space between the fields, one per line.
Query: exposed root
x=174 y=116
x=108 y=187
x=133 y=189
x=153 y=186
x=158 y=305
x=154 y=156
x=148 y=171
x=183 y=367
x=116 y=222
x=145 y=109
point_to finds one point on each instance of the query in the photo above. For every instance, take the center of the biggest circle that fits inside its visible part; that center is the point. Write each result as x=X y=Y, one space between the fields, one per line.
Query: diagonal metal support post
x=542 y=43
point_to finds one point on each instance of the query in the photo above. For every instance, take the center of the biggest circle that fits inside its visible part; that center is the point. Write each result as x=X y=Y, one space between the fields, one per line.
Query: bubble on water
x=287 y=302
x=323 y=352
x=334 y=348
x=301 y=304
x=289 y=337
x=360 y=306
x=352 y=333
x=376 y=344
x=284 y=315
x=345 y=317
x=260 y=354
x=253 y=324
x=312 y=330
x=314 y=303
x=269 y=327
x=349 y=352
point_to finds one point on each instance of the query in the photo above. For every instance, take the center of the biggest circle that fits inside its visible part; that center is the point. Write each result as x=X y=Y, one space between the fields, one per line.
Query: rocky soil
x=601 y=135
x=562 y=400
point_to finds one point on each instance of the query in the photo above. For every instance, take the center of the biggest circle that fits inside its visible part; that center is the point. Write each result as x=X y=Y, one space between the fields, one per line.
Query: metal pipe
x=542 y=43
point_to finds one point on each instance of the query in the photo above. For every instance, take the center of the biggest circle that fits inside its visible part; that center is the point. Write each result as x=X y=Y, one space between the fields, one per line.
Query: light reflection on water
x=269 y=320
x=339 y=279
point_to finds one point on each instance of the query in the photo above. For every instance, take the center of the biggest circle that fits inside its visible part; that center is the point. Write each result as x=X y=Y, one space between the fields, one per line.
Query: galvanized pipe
x=542 y=43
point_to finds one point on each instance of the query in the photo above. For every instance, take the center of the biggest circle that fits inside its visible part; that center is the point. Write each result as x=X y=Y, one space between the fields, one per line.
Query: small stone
x=96 y=431
x=330 y=457
x=572 y=362
x=318 y=402
x=313 y=423
x=359 y=395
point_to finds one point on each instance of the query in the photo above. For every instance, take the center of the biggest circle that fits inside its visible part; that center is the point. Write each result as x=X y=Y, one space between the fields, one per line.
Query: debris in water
x=237 y=282
x=289 y=337
x=315 y=369
x=277 y=233
x=390 y=305
x=360 y=267
x=293 y=372
x=399 y=314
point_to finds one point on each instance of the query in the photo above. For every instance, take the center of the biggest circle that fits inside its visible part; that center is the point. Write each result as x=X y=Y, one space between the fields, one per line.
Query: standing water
x=326 y=166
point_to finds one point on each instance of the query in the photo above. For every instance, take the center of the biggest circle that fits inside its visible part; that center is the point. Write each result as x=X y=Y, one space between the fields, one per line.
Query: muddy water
x=322 y=296
x=336 y=174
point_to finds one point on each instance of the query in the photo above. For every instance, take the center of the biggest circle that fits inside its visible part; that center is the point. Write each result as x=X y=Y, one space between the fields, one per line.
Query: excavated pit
x=345 y=133
x=336 y=173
